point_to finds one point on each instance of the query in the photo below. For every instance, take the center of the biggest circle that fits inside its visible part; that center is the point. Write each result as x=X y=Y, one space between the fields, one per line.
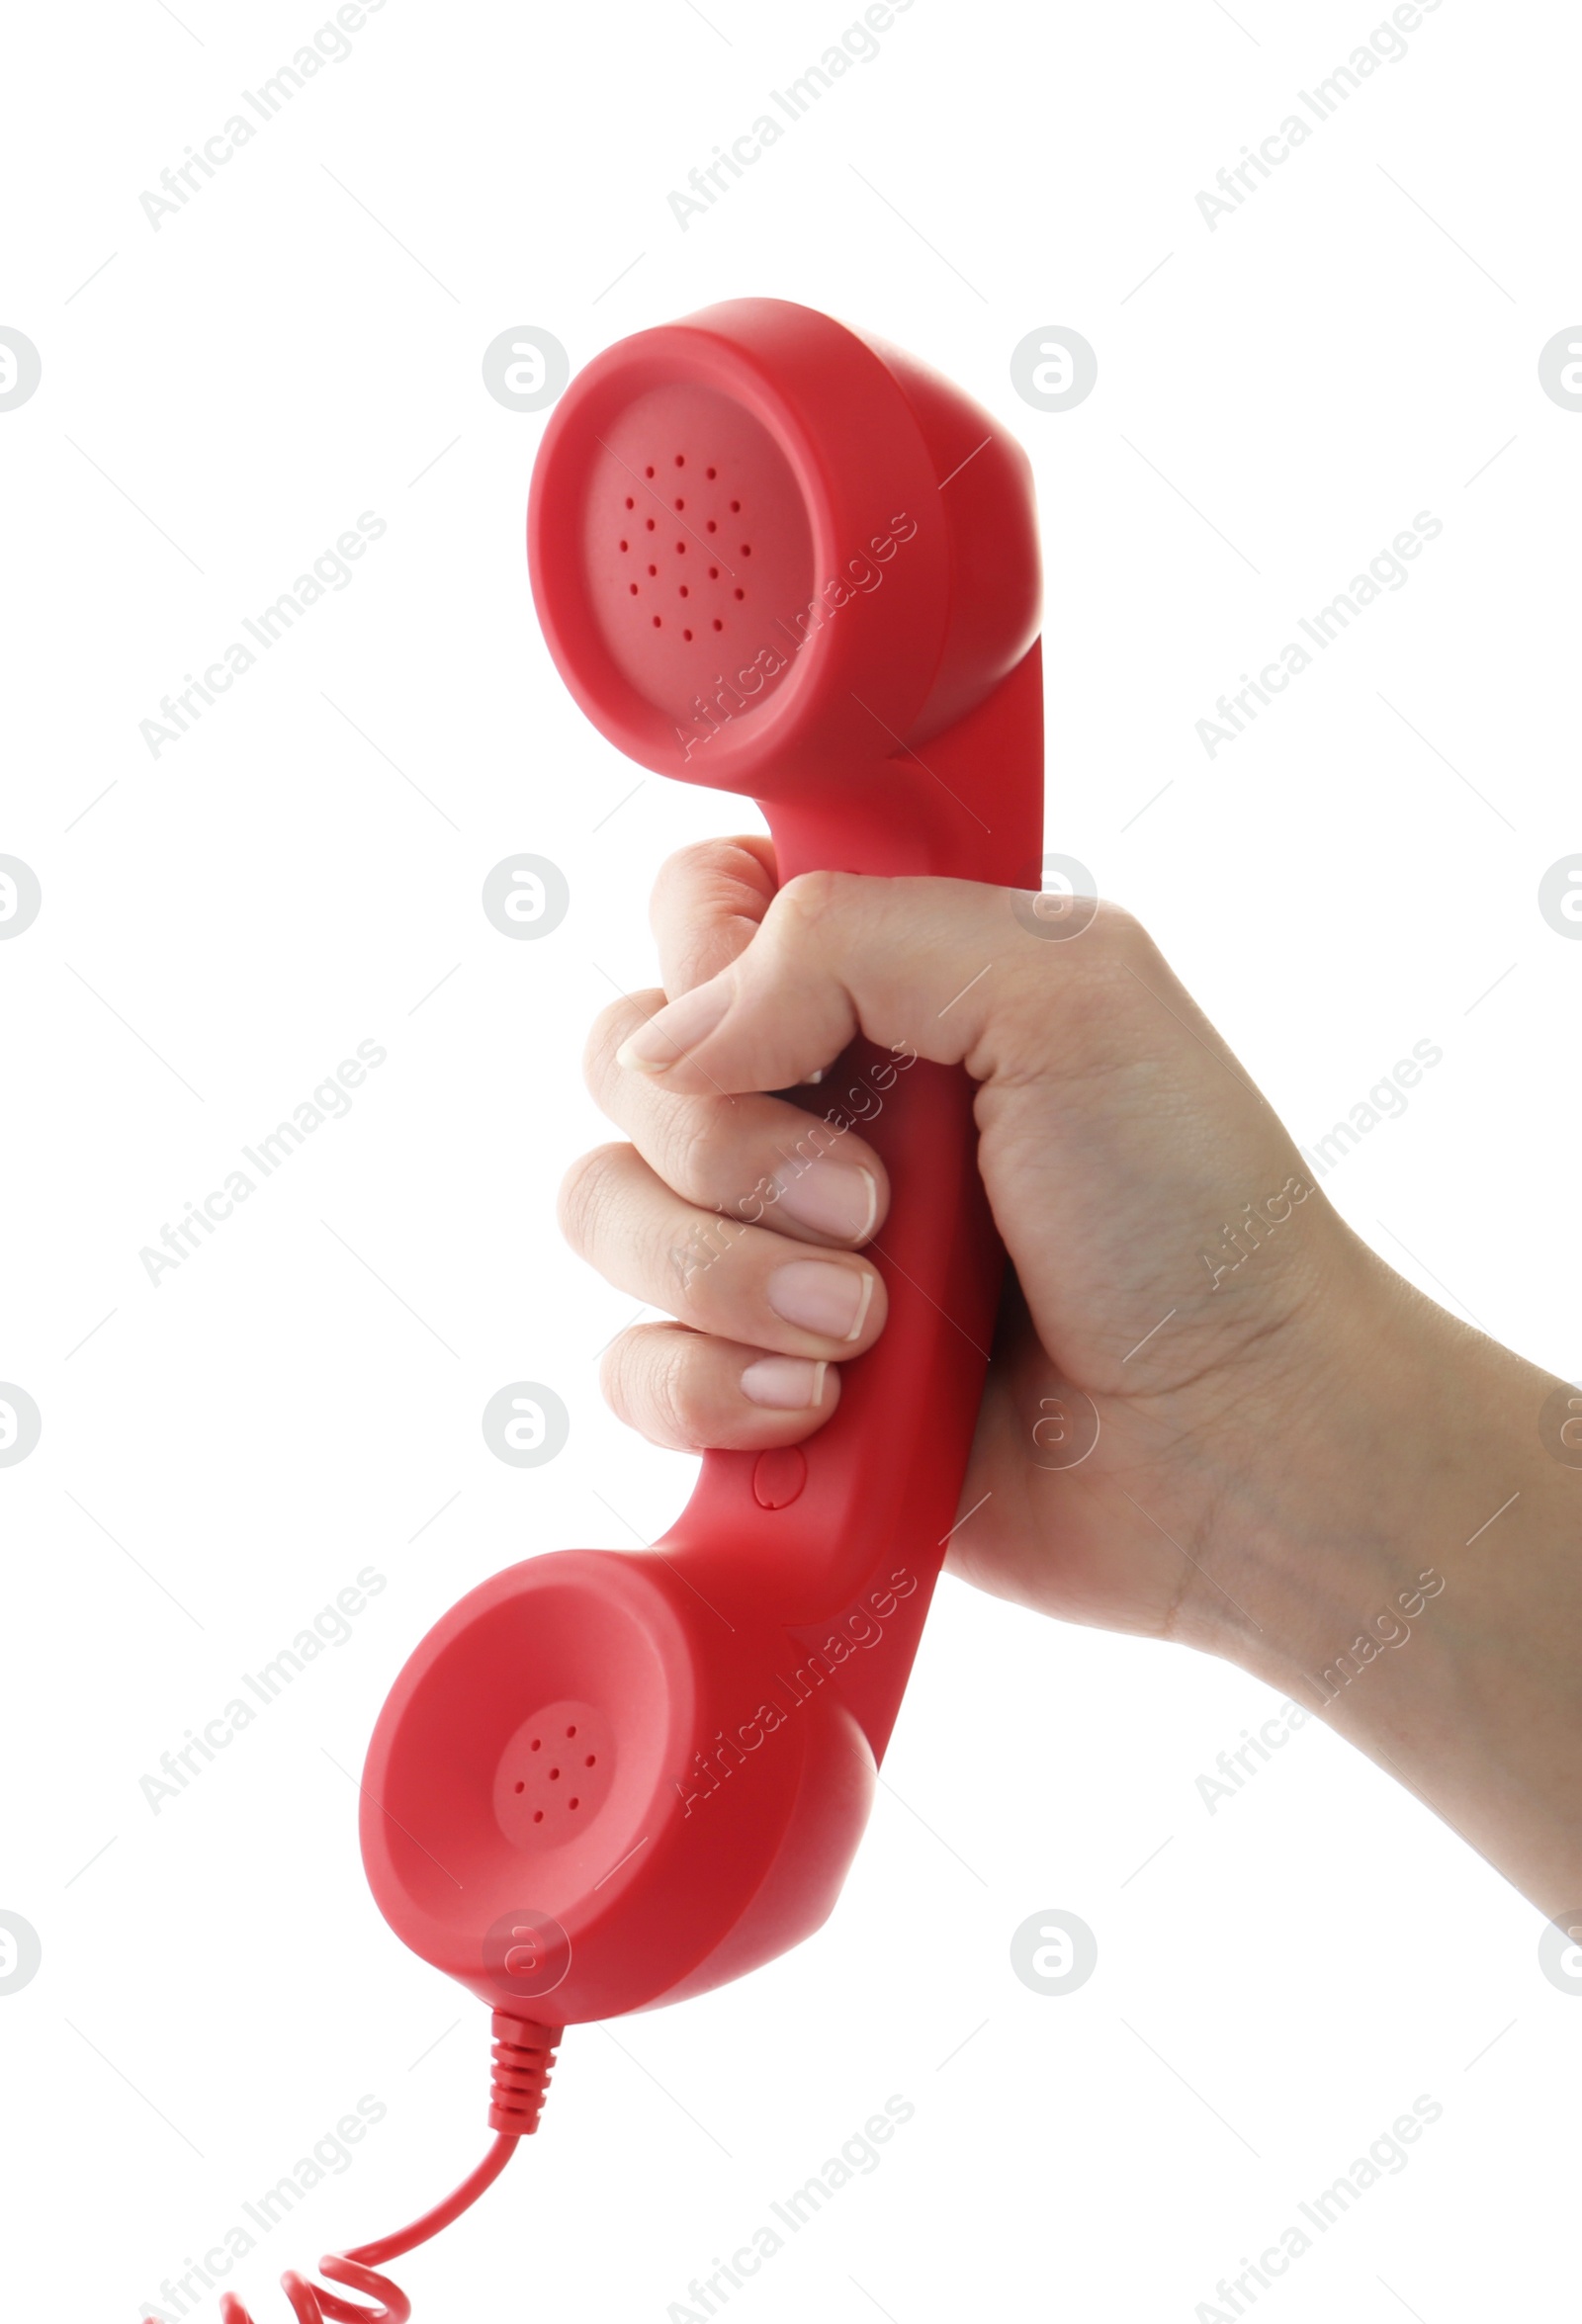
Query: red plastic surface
x=770 y=556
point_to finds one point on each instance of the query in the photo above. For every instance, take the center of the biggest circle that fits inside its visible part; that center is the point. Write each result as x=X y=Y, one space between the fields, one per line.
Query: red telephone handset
x=773 y=556
x=769 y=555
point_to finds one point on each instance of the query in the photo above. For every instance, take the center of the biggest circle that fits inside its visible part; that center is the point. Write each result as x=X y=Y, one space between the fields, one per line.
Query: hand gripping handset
x=775 y=556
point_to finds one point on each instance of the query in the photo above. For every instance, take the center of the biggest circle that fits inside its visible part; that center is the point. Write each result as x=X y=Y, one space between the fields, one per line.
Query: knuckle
x=1106 y=961
x=673 y=1389
x=608 y=1030
x=613 y=1376
x=809 y=900
x=1095 y=989
x=587 y=1193
x=698 y=1155
x=1119 y=932
x=1123 y=957
x=705 y=873
x=698 y=859
x=623 y=1369
x=647 y=1382
x=694 y=1290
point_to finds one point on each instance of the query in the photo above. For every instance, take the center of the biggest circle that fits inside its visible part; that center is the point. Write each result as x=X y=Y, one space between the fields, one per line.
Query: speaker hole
x=680 y=548
x=714 y=572
x=680 y=460
x=656 y=621
x=711 y=473
x=648 y=471
x=570 y=1731
x=521 y=1787
x=625 y=544
x=632 y=585
x=740 y=592
x=630 y=502
x=554 y=1774
x=537 y=1814
x=687 y=634
x=736 y=506
x=746 y=549
x=649 y=522
x=536 y=1744
x=712 y=526
x=683 y=591
x=573 y=1803
x=588 y=1762
x=719 y=625
x=681 y=504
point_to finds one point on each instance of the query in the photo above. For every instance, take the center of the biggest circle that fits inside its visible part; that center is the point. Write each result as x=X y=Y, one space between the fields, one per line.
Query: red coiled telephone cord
x=523 y=2056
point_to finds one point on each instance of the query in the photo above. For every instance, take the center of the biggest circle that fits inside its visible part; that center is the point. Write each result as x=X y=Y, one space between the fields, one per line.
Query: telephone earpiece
x=773 y=556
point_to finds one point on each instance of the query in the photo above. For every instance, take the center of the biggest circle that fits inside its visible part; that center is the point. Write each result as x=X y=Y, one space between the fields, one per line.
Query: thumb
x=925 y=964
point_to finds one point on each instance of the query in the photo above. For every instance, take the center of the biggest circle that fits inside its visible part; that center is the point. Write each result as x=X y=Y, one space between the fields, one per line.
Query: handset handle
x=853 y=1522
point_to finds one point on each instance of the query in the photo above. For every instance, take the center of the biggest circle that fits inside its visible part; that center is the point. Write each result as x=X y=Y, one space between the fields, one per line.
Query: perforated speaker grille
x=698 y=552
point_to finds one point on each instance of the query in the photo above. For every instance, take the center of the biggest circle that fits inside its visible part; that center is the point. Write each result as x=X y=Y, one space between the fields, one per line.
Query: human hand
x=1289 y=1434
x=1120 y=1143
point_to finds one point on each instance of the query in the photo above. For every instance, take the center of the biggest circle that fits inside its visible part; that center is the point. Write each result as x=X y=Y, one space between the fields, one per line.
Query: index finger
x=708 y=903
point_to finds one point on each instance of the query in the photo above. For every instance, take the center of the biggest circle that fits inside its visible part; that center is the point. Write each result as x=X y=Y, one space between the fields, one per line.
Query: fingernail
x=817 y=1296
x=674 y=1029
x=832 y=1197
x=784 y=1383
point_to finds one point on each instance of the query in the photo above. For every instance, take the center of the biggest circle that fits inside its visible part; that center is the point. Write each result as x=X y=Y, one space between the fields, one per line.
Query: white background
x=303 y=870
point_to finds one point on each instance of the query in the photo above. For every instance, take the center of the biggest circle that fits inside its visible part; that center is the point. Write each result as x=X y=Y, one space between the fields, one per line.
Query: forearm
x=1417 y=1577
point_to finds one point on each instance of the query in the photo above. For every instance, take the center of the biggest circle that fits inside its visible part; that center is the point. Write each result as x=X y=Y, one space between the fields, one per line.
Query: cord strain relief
x=523 y=2056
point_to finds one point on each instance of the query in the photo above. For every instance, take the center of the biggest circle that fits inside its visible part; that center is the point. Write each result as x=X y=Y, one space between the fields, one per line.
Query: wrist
x=1380 y=1455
